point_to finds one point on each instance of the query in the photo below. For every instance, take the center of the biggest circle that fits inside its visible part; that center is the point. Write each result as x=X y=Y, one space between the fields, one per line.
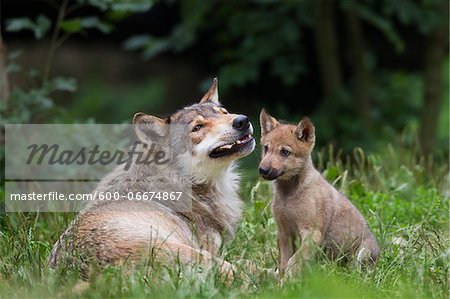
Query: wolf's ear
x=267 y=122
x=150 y=128
x=305 y=130
x=212 y=95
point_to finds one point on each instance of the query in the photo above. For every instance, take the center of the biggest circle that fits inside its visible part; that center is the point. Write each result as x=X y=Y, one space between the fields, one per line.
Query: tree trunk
x=360 y=72
x=4 y=83
x=435 y=52
x=327 y=47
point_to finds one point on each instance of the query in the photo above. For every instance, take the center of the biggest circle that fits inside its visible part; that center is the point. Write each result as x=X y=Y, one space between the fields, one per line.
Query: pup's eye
x=224 y=111
x=197 y=128
x=284 y=152
x=266 y=148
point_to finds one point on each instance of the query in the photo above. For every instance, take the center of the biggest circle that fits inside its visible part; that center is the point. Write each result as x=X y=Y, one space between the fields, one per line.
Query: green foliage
x=397 y=98
x=257 y=37
x=34 y=102
x=426 y=15
x=252 y=40
x=125 y=6
x=444 y=117
x=247 y=41
x=149 y=46
x=37 y=101
x=38 y=27
x=97 y=98
x=401 y=96
x=115 y=11
x=368 y=12
x=78 y=24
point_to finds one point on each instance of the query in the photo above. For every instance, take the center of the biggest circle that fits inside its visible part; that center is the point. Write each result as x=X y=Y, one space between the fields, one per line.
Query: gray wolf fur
x=119 y=231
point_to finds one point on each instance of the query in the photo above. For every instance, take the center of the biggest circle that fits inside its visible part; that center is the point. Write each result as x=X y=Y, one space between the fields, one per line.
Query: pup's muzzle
x=270 y=174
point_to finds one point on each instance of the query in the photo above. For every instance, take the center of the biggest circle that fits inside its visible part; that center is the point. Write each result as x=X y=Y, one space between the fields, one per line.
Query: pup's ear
x=267 y=122
x=150 y=128
x=305 y=130
x=212 y=95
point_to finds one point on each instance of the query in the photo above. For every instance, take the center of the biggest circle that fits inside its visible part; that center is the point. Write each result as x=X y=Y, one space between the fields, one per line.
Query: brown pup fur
x=305 y=206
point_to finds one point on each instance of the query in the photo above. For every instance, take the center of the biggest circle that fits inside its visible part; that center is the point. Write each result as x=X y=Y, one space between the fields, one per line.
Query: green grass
x=403 y=197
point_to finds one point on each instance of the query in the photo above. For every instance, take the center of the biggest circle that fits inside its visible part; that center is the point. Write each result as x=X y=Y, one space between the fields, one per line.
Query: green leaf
x=15 y=25
x=132 y=6
x=13 y=68
x=151 y=46
x=77 y=24
x=100 y=4
x=64 y=84
x=43 y=25
x=259 y=207
x=136 y=42
x=95 y=23
x=38 y=27
x=14 y=54
x=155 y=47
x=129 y=6
x=331 y=173
x=383 y=24
x=72 y=25
x=357 y=189
x=117 y=16
x=237 y=74
x=34 y=73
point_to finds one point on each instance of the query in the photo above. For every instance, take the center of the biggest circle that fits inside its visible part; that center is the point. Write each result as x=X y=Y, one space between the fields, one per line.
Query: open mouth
x=231 y=148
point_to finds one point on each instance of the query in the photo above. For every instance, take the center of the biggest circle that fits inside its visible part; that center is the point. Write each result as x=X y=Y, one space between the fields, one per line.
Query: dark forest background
x=367 y=72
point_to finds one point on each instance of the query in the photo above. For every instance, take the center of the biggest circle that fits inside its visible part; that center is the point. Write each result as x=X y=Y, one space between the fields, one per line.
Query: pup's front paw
x=293 y=268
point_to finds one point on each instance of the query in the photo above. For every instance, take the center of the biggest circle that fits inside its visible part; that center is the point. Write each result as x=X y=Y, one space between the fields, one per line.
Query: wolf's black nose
x=264 y=171
x=241 y=123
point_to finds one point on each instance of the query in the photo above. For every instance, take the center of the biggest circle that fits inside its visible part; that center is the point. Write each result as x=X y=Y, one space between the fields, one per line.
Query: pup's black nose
x=264 y=171
x=241 y=123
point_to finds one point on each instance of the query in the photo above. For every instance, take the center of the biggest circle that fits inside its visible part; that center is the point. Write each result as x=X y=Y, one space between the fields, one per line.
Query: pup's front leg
x=285 y=248
x=310 y=240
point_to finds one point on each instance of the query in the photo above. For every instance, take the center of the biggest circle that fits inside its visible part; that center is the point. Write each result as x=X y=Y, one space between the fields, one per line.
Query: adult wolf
x=124 y=230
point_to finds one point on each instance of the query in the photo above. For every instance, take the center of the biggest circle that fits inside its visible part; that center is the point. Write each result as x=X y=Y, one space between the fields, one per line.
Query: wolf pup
x=112 y=232
x=305 y=206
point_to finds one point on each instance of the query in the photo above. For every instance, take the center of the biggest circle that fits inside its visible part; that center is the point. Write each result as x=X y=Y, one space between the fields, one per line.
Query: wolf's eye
x=224 y=111
x=284 y=152
x=266 y=148
x=197 y=128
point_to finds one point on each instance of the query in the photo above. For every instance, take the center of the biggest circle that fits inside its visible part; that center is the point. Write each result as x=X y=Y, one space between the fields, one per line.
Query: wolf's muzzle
x=241 y=123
